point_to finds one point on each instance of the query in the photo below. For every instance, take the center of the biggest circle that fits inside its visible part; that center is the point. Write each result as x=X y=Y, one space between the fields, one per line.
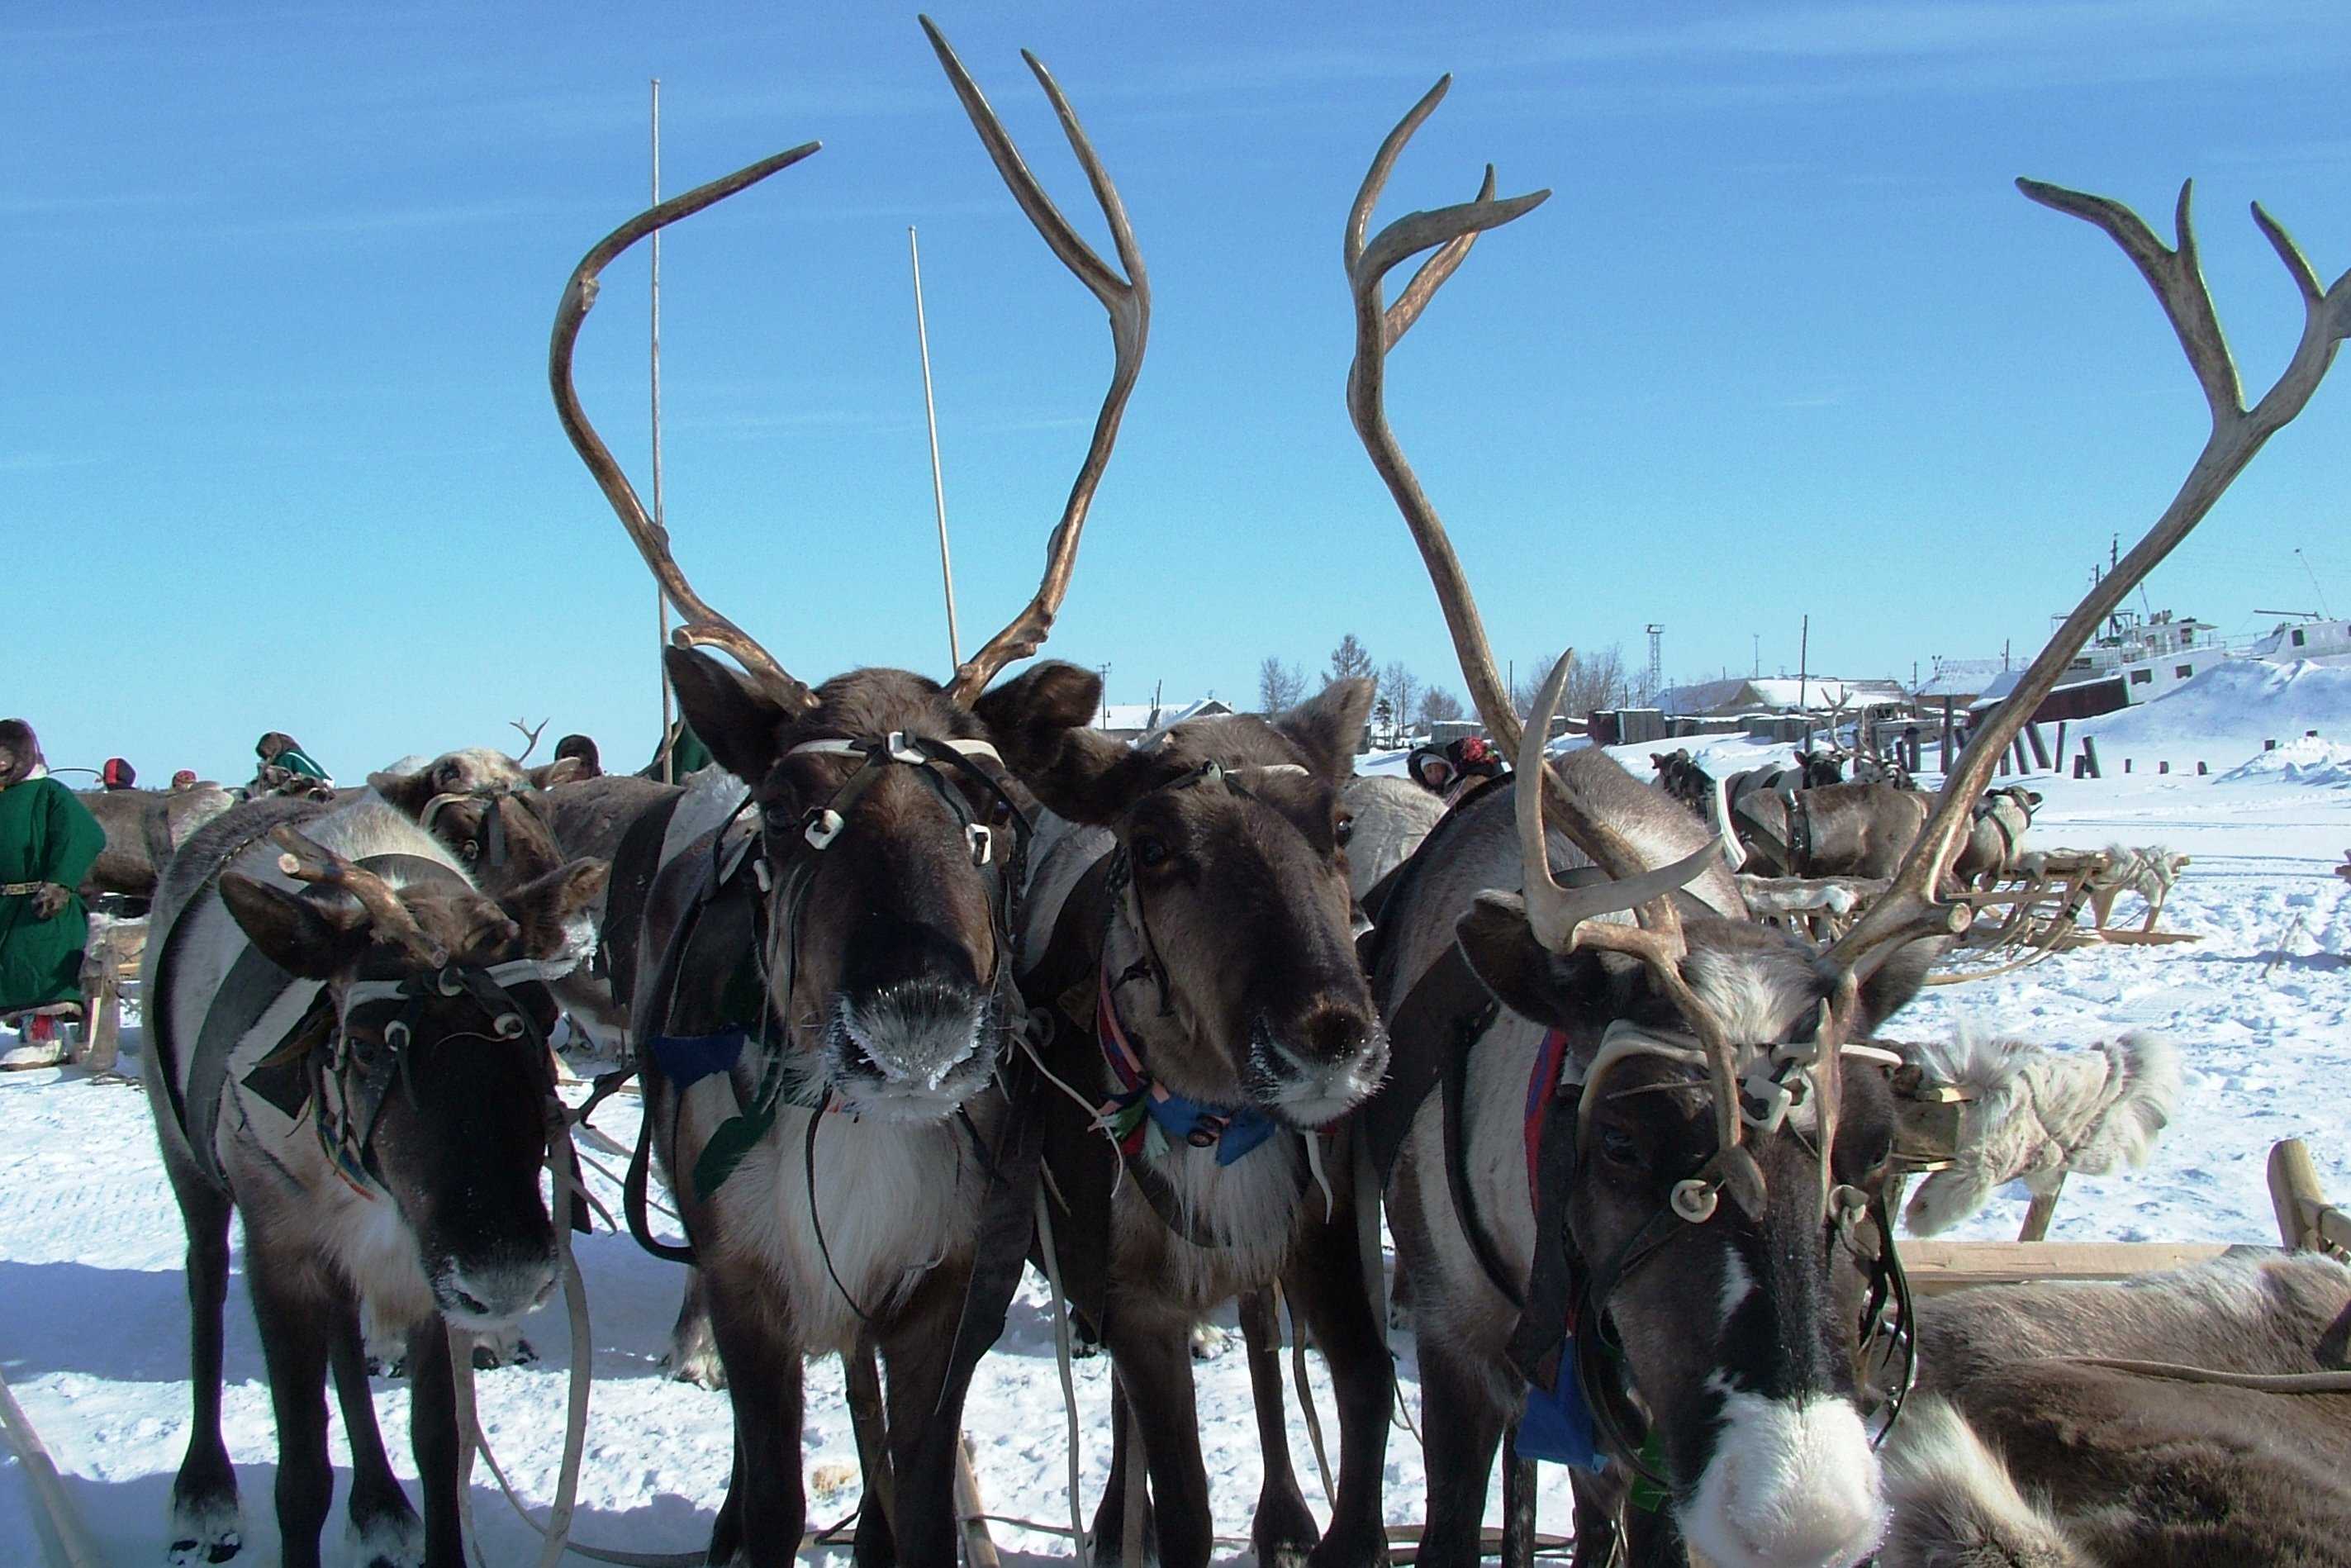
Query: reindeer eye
x=469 y=851
x=1149 y=850
x=1619 y=1147
x=1343 y=830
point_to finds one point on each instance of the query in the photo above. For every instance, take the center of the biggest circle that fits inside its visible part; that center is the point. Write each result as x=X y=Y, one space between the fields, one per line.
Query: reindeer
x=842 y=937
x=1190 y=934
x=2200 y=1416
x=346 y=1049
x=142 y=828
x=1680 y=1257
x=1789 y=827
x=1996 y=838
x=1391 y=817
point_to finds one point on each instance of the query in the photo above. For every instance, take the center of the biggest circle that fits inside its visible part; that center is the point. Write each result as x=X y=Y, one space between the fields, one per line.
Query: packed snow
x=93 y=1315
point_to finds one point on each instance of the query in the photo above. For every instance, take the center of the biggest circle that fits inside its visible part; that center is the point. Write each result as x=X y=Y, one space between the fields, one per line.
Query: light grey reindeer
x=1684 y=1251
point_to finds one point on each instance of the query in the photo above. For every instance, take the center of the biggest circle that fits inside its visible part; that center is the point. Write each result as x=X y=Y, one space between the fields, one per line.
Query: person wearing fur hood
x=48 y=843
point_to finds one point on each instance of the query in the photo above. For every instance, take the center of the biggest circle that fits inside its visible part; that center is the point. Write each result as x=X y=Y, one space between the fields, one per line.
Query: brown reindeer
x=142 y=828
x=346 y=1049
x=2054 y=1425
x=1190 y=933
x=823 y=999
x=1691 y=1253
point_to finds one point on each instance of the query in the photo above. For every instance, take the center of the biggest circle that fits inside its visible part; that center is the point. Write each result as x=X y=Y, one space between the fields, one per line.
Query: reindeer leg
x=1599 y=1499
x=1109 y=1514
x=926 y=1419
x=384 y=1528
x=767 y=1503
x=1152 y=1351
x=433 y=1439
x=1461 y=1430
x=294 y=1338
x=205 y=1526
x=1283 y=1533
x=693 y=1353
x=1325 y=1279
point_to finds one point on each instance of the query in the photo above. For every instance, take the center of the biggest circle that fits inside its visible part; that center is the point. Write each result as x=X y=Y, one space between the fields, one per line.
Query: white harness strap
x=898 y=748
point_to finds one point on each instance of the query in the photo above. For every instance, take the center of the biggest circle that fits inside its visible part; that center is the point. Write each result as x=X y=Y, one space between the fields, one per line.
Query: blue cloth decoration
x=688 y=1059
x=1557 y=1425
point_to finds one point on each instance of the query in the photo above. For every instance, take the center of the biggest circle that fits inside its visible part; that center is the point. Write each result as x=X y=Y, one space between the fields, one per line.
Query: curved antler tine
x=1911 y=907
x=1128 y=301
x=1449 y=231
x=700 y=624
x=306 y=860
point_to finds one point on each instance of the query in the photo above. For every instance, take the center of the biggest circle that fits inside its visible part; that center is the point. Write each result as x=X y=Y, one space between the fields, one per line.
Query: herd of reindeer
x=924 y=981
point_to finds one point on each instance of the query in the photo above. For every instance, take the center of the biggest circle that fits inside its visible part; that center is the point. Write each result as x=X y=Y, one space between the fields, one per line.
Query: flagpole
x=661 y=602
x=931 y=413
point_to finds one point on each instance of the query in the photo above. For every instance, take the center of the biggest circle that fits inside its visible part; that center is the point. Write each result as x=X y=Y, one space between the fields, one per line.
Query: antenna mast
x=661 y=603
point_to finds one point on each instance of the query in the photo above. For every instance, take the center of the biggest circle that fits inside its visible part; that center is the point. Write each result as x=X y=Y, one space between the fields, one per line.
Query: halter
x=1780 y=1079
x=786 y=868
x=350 y=1081
x=495 y=799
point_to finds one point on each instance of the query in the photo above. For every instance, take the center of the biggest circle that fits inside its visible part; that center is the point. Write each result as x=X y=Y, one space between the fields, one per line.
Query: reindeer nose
x=1331 y=1033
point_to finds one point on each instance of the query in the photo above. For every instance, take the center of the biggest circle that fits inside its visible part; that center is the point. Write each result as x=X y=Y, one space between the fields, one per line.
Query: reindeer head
x=893 y=854
x=432 y=1087
x=890 y=848
x=1231 y=952
x=484 y=807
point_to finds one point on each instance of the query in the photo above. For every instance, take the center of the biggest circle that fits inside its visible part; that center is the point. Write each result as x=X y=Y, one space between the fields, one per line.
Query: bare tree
x=1279 y=685
x=1439 y=706
x=1596 y=679
x=1400 y=689
x=1349 y=661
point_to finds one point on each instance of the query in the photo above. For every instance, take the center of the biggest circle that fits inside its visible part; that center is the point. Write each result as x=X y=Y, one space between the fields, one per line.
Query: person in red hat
x=118 y=774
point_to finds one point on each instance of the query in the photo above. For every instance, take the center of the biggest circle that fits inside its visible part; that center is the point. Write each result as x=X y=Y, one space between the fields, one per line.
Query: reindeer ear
x=1896 y=982
x=1525 y=977
x=740 y=723
x=552 y=909
x=1043 y=723
x=562 y=770
x=408 y=793
x=311 y=938
x=1327 y=726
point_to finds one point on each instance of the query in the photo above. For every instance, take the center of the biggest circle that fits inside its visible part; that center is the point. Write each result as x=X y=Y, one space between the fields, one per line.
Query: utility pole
x=930 y=415
x=1656 y=659
x=1759 y=655
x=1104 y=671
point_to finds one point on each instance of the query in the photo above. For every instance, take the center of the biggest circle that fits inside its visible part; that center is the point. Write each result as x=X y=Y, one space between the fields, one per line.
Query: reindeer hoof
x=380 y=1366
x=505 y=1349
x=1208 y=1341
x=204 y=1533
x=699 y=1366
x=388 y=1540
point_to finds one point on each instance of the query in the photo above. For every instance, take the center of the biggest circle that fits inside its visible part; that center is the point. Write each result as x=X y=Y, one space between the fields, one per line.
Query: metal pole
x=931 y=413
x=661 y=603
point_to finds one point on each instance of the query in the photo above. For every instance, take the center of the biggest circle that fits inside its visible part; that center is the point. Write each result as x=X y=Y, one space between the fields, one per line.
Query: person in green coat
x=278 y=749
x=48 y=843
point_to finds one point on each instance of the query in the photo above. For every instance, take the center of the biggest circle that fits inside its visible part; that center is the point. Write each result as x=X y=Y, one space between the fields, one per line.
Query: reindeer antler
x=1910 y=907
x=531 y=734
x=306 y=860
x=700 y=624
x=1128 y=300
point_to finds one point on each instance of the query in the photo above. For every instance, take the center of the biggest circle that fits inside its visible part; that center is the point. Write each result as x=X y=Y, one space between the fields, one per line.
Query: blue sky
x=277 y=449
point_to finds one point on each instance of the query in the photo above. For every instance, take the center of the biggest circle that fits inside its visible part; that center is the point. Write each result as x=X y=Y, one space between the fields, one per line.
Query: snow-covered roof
x=1778 y=694
x=1962 y=677
x=1137 y=718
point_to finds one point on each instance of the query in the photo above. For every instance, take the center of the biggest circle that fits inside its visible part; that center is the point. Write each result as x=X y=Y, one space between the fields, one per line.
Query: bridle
x=351 y=1079
x=1779 y=1079
x=495 y=799
x=790 y=850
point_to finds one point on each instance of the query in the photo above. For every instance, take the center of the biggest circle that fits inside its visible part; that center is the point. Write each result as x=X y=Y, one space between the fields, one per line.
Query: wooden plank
x=65 y=1540
x=1939 y=1266
x=2294 y=1192
x=2041 y=1211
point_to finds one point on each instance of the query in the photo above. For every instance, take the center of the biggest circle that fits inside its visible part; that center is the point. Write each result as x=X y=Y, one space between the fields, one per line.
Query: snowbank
x=2225 y=714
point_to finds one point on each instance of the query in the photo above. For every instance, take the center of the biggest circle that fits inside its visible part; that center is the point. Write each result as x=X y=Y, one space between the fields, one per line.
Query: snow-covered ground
x=93 y=1315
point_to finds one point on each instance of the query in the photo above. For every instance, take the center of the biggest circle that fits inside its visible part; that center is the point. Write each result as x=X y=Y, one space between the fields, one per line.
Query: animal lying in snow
x=2028 y=1444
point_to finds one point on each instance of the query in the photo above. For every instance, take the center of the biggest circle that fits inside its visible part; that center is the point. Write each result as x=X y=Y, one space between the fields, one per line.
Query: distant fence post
x=1947 y=734
x=2040 y=749
x=2090 y=754
x=2060 y=746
